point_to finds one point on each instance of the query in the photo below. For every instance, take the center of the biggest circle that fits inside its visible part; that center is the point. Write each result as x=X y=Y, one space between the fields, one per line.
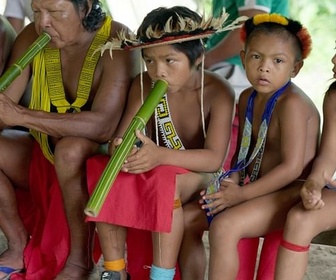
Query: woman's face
x=167 y=63
x=60 y=19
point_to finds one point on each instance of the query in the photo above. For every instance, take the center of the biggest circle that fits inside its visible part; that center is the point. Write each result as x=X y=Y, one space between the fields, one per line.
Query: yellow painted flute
x=115 y=163
x=16 y=68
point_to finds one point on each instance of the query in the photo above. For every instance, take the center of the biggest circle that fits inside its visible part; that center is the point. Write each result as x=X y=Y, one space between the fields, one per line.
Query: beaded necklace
x=48 y=87
x=214 y=184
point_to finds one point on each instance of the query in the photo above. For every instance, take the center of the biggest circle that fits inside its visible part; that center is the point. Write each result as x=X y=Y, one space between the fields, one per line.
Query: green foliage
x=319 y=17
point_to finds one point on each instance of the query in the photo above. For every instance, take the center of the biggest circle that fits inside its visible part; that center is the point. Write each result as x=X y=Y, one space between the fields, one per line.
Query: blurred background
x=318 y=16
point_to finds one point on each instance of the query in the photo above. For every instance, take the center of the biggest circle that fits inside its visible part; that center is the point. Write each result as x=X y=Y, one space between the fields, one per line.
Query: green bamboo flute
x=16 y=68
x=115 y=163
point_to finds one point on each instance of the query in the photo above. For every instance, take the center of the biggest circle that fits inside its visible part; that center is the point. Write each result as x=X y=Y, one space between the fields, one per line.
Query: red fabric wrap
x=43 y=215
x=139 y=242
x=142 y=201
x=42 y=212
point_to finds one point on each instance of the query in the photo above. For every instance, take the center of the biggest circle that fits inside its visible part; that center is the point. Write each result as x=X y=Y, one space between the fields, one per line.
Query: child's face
x=165 y=62
x=269 y=61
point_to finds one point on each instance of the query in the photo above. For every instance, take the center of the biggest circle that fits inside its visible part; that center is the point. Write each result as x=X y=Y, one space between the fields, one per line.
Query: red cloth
x=143 y=201
x=43 y=215
x=147 y=203
x=268 y=255
x=139 y=242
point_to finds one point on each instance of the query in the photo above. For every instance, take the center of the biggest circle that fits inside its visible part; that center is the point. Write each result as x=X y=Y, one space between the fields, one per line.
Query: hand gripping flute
x=116 y=161
x=16 y=69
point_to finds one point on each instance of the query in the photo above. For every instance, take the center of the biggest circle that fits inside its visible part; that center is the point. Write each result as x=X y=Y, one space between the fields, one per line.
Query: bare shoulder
x=214 y=86
x=330 y=96
x=124 y=60
x=329 y=102
x=117 y=27
x=295 y=100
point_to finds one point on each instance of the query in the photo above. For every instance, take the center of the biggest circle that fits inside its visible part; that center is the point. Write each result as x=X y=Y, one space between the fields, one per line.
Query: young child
x=279 y=131
x=182 y=148
x=315 y=213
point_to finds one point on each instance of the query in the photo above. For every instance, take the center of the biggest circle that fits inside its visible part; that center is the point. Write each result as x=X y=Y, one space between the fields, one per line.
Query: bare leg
x=15 y=155
x=301 y=227
x=253 y=218
x=192 y=257
x=166 y=245
x=112 y=241
x=70 y=164
x=162 y=256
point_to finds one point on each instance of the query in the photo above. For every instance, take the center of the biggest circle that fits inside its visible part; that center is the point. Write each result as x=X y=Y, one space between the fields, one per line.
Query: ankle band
x=159 y=273
x=294 y=247
x=116 y=265
x=177 y=203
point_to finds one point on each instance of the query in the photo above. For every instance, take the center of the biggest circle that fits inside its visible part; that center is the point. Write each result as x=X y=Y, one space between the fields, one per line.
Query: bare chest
x=186 y=121
x=78 y=78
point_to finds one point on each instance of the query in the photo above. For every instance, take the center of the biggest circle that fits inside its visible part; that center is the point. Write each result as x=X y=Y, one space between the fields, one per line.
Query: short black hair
x=271 y=28
x=158 y=18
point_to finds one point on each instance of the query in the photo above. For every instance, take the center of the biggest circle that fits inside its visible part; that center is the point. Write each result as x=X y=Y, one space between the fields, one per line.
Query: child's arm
x=206 y=159
x=293 y=115
x=325 y=163
x=295 y=122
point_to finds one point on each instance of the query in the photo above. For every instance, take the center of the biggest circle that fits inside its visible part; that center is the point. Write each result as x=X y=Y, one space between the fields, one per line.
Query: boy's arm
x=200 y=159
x=325 y=163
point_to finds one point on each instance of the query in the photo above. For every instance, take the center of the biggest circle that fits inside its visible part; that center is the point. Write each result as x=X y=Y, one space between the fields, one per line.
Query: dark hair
x=158 y=18
x=95 y=18
x=271 y=28
x=286 y=28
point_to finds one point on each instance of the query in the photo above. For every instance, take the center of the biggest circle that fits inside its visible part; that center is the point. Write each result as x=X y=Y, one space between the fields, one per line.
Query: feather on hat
x=186 y=29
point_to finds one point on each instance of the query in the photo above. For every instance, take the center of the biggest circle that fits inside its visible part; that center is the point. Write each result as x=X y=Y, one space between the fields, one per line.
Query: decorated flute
x=115 y=163
x=16 y=69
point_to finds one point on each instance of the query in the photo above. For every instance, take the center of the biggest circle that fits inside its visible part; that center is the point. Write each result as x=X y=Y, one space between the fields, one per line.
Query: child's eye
x=278 y=60
x=169 y=60
x=148 y=61
x=255 y=56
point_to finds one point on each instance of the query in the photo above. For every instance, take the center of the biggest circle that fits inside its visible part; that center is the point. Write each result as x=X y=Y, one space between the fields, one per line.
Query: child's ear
x=199 y=60
x=242 y=57
x=297 y=67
